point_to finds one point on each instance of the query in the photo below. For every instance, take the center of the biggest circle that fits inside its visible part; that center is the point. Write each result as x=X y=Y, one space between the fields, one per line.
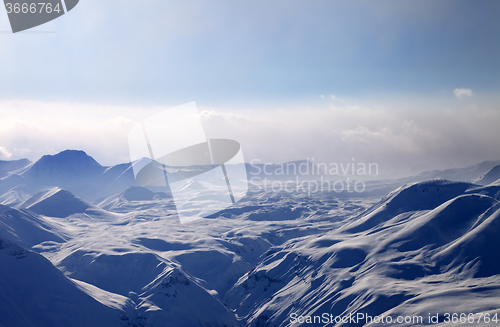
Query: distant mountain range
x=80 y=174
x=72 y=170
x=467 y=174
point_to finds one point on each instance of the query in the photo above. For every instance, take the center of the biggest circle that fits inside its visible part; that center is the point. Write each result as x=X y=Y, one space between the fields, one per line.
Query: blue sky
x=258 y=59
x=223 y=51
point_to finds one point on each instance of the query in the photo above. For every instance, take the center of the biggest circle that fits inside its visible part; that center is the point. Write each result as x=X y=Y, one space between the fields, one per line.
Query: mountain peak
x=56 y=202
x=68 y=157
x=65 y=165
x=418 y=196
x=73 y=170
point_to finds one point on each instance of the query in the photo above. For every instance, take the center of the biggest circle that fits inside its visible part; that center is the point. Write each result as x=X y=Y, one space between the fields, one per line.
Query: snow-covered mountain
x=426 y=248
x=77 y=172
x=28 y=229
x=15 y=196
x=10 y=166
x=466 y=174
x=492 y=176
x=34 y=293
x=56 y=202
x=138 y=195
x=74 y=171
x=402 y=262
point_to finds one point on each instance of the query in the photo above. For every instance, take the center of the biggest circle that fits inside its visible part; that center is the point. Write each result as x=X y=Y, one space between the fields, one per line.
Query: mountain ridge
x=56 y=202
x=74 y=171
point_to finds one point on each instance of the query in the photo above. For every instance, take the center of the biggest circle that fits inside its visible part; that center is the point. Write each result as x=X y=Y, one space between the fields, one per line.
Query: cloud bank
x=396 y=136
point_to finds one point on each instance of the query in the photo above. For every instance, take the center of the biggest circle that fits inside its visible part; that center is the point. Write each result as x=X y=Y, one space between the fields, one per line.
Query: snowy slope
x=14 y=196
x=28 y=229
x=180 y=300
x=415 y=197
x=35 y=294
x=490 y=177
x=158 y=288
x=56 y=202
x=134 y=195
x=382 y=266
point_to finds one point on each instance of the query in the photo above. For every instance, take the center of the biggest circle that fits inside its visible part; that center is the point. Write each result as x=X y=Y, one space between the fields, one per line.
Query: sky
x=400 y=83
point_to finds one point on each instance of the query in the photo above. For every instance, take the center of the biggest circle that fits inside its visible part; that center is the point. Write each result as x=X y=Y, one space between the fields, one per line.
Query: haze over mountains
x=71 y=170
x=84 y=245
x=77 y=172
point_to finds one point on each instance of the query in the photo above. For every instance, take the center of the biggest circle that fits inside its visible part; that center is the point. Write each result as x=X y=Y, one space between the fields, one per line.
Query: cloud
x=31 y=129
x=396 y=135
x=459 y=93
x=336 y=98
x=4 y=153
